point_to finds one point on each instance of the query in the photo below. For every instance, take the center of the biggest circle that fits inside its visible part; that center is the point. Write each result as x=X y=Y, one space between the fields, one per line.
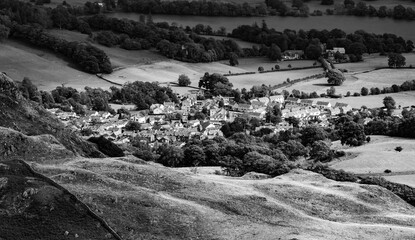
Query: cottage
x=218 y=114
x=243 y=107
x=307 y=102
x=264 y=100
x=293 y=54
x=277 y=99
x=323 y=105
x=257 y=104
x=292 y=101
x=344 y=107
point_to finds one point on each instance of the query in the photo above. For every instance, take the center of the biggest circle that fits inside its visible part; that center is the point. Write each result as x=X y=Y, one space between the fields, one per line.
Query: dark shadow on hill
x=323 y=84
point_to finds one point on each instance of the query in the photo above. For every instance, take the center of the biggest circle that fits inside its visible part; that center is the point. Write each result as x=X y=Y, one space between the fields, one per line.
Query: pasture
x=378 y=155
x=44 y=68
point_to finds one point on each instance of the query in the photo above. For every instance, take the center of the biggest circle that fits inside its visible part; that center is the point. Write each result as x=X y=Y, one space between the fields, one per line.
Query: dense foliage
x=197 y=8
x=355 y=43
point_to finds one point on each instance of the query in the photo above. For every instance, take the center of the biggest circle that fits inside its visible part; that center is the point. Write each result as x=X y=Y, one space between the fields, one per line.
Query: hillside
x=147 y=201
x=30 y=118
x=33 y=207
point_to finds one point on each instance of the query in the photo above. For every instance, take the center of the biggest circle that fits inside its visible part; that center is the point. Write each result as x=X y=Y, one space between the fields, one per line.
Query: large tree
x=396 y=60
x=274 y=53
x=335 y=77
x=183 y=80
x=352 y=134
x=389 y=102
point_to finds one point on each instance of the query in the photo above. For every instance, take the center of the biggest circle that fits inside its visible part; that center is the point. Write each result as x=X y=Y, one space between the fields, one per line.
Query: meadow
x=378 y=155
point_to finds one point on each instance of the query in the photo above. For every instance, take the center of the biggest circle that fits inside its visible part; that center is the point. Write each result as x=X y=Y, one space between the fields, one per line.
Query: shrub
x=387 y=171
x=398 y=149
x=356 y=94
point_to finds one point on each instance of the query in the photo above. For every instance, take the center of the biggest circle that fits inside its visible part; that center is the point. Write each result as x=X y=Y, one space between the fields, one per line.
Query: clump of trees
x=335 y=77
x=183 y=80
x=396 y=60
x=86 y=56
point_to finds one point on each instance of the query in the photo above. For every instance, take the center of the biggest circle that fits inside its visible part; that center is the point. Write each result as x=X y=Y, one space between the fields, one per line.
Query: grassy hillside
x=148 y=201
x=34 y=207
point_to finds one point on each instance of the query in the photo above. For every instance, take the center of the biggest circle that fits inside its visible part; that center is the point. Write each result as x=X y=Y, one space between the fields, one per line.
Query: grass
x=147 y=201
x=402 y=179
x=44 y=68
x=379 y=154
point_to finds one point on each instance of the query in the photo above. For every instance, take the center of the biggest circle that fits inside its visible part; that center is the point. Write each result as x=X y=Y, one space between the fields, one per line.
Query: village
x=192 y=118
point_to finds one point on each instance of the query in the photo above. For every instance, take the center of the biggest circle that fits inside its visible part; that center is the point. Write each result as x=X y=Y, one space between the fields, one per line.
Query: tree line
x=349 y=7
x=195 y=8
x=310 y=41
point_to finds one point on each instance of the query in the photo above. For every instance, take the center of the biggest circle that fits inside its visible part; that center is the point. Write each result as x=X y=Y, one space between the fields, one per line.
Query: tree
x=312 y=133
x=364 y=91
x=260 y=69
x=335 y=77
x=352 y=134
x=274 y=53
x=327 y=2
x=396 y=60
x=132 y=126
x=233 y=60
x=194 y=156
x=170 y=156
x=292 y=149
x=184 y=80
x=273 y=114
x=320 y=151
x=389 y=103
x=4 y=32
x=313 y=51
x=331 y=91
x=357 y=48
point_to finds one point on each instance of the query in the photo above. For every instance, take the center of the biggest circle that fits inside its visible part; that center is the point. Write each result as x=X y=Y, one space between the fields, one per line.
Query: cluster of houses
x=176 y=123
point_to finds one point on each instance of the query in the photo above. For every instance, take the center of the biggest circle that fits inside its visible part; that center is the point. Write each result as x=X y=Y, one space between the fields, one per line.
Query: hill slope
x=31 y=119
x=33 y=207
x=148 y=201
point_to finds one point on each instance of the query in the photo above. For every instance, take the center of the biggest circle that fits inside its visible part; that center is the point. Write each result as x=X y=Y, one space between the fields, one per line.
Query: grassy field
x=402 y=179
x=272 y=78
x=241 y=44
x=373 y=101
x=119 y=57
x=45 y=69
x=379 y=155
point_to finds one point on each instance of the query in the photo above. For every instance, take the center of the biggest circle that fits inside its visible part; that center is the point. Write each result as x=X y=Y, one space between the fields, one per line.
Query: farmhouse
x=323 y=105
x=293 y=54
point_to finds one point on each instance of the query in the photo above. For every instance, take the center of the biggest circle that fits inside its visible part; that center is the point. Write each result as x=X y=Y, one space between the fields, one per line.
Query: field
x=375 y=157
x=119 y=57
x=402 y=179
x=46 y=70
x=378 y=155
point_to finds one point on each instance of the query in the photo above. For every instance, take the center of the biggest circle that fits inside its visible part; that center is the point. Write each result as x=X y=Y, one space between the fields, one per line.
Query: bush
x=184 y=80
x=387 y=171
x=398 y=149
x=356 y=94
